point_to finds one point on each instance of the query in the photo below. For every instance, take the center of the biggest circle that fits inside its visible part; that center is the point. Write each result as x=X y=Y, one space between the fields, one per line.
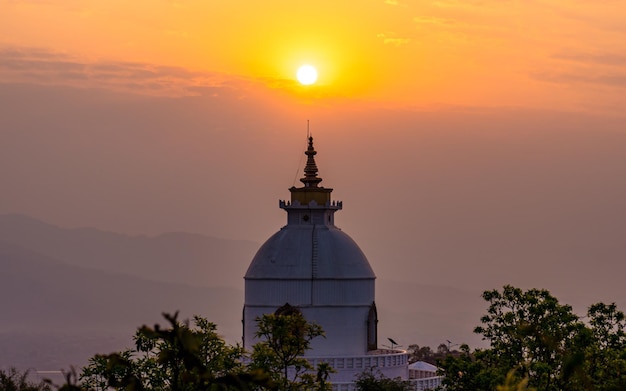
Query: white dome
x=310 y=252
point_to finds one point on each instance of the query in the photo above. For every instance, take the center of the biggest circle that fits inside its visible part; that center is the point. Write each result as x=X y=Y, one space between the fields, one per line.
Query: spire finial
x=310 y=170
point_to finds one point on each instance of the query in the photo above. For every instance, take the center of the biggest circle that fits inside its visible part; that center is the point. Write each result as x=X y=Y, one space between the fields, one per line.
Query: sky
x=474 y=143
x=566 y=55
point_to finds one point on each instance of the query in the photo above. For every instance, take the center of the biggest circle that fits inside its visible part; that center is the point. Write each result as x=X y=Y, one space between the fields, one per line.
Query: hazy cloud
x=390 y=38
x=613 y=79
x=609 y=59
x=34 y=65
x=599 y=68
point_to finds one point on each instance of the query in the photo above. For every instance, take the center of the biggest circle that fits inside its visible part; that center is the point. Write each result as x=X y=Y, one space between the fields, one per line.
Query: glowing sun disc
x=307 y=75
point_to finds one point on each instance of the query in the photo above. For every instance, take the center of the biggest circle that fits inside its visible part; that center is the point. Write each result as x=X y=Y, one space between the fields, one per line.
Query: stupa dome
x=292 y=254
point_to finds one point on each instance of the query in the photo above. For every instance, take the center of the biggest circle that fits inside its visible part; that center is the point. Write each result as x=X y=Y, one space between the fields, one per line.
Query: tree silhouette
x=177 y=358
x=284 y=340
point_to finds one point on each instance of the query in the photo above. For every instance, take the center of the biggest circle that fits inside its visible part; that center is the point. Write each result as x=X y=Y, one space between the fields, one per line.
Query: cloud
x=389 y=38
x=616 y=80
x=35 y=65
x=603 y=59
x=593 y=68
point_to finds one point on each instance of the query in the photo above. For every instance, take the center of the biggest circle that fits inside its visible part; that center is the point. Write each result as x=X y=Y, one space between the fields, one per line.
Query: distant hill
x=36 y=291
x=43 y=300
x=187 y=258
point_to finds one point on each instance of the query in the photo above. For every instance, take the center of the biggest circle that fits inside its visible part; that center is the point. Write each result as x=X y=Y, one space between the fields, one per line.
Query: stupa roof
x=292 y=254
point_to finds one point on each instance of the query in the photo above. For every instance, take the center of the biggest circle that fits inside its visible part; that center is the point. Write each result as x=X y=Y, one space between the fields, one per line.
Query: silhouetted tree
x=284 y=340
x=536 y=342
x=14 y=380
x=184 y=358
x=369 y=381
x=426 y=354
x=605 y=362
x=178 y=358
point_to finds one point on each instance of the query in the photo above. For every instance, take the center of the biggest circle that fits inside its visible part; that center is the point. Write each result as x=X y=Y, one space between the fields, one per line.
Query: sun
x=307 y=74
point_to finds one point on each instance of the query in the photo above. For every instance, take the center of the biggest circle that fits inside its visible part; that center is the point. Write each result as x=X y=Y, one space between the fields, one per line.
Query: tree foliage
x=284 y=340
x=14 y=380
x=535 y=342
x=426 y=354
x=370 y=381
x=196 y=358
x=178 y=358
x=605 y=362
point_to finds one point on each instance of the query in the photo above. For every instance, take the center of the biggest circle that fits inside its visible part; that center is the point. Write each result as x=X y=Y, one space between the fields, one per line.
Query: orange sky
x=567 y=55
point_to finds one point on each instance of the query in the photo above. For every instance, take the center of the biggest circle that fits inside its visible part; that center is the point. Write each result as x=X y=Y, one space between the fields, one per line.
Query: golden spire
x=310 y=191
x=310 y=170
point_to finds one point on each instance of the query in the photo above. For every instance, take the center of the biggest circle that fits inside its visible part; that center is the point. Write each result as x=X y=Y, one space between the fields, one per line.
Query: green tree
x=178 y=358
x=538 y=343
x=14 y=380
x=369 y=381
x=468 y=371
x=426 y=354
x=532 y=333
x=95 y=376
x=284 y=340
x=417 y=353
x=604 y=366
x=512 y=384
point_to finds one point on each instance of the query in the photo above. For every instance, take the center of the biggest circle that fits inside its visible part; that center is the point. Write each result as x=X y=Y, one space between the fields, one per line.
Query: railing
x=426 y=383
x=382 y=358
x=296 y=204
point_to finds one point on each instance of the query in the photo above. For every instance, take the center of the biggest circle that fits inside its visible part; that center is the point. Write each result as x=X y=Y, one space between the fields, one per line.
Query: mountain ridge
x=195 y=256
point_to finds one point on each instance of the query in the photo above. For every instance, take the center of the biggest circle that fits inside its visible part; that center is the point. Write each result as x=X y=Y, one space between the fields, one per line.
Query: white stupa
x=312 y=265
